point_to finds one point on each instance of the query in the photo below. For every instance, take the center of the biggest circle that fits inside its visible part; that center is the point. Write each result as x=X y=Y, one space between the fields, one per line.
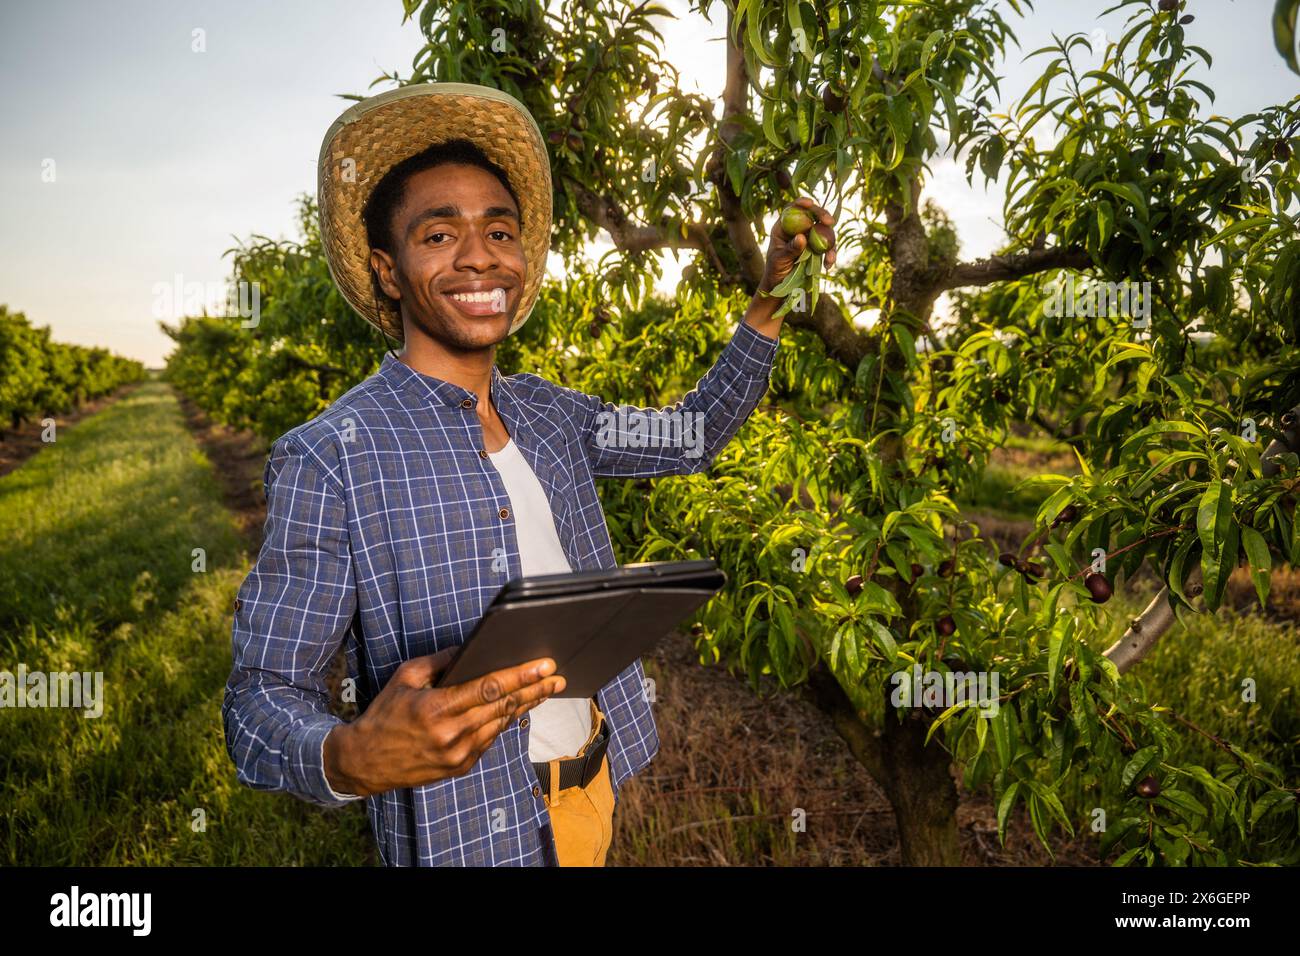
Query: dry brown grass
x=732 y=767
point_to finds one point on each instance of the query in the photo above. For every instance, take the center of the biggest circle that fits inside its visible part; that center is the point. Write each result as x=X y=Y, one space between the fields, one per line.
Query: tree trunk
x=916 y=778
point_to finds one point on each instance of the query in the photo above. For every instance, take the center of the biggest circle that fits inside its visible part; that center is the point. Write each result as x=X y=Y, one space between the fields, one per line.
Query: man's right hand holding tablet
x=414 y=733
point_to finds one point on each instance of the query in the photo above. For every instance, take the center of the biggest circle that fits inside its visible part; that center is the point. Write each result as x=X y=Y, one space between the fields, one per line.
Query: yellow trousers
x=582 y=818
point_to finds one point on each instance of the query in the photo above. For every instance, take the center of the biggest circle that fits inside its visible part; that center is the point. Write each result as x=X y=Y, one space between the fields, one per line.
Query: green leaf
x=1212 y=516
x=1284 y=31
x=1126 y=191
x=939 y=721
x=1224 y=565
x=1241 y=226
x=1002 y=740
x=884 y=638
x=1004 y=809
x=1055 y=648
x=1261 y=562
x=1266 y=803
x=1139 y=764
x=792 y=281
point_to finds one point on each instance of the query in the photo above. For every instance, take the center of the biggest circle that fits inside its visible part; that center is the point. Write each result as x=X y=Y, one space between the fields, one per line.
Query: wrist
x=760 y=314
x=339 y=761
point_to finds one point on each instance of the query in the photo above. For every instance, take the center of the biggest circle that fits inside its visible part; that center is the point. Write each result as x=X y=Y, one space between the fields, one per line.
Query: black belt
x=576 y=771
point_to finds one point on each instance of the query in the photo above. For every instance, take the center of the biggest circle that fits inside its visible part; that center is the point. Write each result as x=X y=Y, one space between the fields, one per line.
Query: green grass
x=99 y=577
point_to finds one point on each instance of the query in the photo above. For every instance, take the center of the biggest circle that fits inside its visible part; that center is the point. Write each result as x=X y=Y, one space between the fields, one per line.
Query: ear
x=383 y=266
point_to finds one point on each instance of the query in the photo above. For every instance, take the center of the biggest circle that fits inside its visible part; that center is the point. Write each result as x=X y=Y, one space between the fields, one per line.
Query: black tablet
x=593 y=624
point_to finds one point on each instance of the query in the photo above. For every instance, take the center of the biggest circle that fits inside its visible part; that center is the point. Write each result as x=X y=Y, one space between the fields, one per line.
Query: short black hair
x=388 y=192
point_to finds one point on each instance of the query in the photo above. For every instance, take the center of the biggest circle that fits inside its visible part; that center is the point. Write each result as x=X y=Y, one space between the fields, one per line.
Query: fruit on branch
x=1007 y=559
x=555 y=137
x=946 y=567
x=1099 y=587
x=833 y=100
x=1001 y=396
x=1155 y=160
x=1148 y=787
x=946 y=626
x=1068 y=514
x=1168 y=6
x=1281 y=151
x=795 y=220
x=818 y=239
x=917 y=570
x=854 y=585
x=783 y=178
x=574 y=142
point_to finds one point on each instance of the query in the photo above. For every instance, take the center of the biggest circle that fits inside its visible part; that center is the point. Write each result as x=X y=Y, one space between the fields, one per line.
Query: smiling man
x=395 y=516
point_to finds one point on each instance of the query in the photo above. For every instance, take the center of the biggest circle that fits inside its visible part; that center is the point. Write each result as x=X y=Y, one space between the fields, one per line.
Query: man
x=395 y=516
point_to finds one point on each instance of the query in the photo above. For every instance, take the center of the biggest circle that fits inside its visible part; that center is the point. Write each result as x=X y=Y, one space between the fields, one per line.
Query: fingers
x=423 y=671
x=513 y=706
x=822 y=218
x=492 y=687
x=822 y=214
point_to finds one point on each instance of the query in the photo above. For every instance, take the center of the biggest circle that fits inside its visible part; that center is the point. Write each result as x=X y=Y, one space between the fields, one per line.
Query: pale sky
x=162 y=155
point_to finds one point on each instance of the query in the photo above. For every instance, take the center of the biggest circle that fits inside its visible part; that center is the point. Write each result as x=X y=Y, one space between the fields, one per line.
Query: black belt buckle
x=595 y=755
x=577 y=771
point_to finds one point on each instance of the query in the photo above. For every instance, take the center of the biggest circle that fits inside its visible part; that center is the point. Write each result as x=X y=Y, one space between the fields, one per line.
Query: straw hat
x=377 y=133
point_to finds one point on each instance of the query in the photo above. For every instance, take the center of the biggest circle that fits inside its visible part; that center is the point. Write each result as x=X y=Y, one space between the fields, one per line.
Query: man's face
x=458 y=266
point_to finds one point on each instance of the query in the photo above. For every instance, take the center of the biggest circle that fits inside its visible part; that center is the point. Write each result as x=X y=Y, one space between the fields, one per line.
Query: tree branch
x=735 y=102
x=1017 y=265
x=628 y=236
x=842 y=340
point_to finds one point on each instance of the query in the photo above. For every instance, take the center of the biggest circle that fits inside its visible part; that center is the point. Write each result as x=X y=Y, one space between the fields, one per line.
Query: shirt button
x=504 y=512
x=467 y=403
x=482 y=453
x=238 y=604
x=523 y=723
x=537 y=791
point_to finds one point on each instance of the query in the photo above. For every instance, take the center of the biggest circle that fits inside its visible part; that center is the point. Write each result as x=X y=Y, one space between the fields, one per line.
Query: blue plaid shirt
x=388 y=530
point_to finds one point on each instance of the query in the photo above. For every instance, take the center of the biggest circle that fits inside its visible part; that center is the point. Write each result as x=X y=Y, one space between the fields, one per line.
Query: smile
x=487 y=302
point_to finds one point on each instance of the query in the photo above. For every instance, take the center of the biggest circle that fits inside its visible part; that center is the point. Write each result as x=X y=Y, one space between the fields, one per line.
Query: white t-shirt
x=559 y=726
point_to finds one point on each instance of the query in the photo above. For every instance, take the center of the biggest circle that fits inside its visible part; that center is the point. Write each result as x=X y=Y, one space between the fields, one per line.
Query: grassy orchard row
x=125 y=497
x=41 y=377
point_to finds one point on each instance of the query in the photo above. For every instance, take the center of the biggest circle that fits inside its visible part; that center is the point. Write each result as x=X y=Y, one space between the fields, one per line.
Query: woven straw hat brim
x=375 y=134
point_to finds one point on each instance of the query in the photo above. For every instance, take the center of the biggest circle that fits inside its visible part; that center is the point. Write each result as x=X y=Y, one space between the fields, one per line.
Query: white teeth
x=490 y=296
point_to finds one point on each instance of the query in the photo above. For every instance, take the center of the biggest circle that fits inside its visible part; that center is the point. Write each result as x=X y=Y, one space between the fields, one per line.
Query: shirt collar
x=437 y=391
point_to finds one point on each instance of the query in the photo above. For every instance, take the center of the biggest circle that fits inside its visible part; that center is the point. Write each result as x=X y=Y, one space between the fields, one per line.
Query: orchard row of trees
x=40 y=377
x=835 y=511
x=306 y=349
